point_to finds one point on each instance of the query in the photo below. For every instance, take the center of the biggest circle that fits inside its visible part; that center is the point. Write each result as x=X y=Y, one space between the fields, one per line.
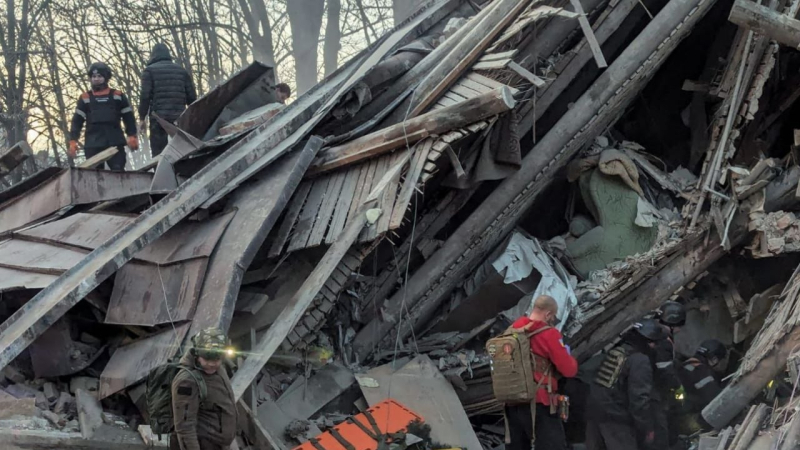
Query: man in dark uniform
x=204 y=410
x=101 y=108
x=167 y=89
x=699 y=376
x=672 y=316
x=620 y=410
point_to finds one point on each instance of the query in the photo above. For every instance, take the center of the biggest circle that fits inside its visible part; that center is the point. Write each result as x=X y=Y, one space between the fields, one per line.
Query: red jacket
x=548 y=344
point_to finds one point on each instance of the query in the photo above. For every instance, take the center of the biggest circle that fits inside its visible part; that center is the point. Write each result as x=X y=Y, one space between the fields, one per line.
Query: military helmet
x=101 y=68
x=712 y=348
x=672 y=314
x=650 y=330
x=210 y=343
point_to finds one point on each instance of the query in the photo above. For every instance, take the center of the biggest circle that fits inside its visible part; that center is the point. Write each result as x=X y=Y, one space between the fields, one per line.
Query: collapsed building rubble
x=361 y=243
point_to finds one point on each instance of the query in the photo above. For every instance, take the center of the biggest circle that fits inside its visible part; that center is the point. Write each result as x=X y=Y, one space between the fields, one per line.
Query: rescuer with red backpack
x=527 y=359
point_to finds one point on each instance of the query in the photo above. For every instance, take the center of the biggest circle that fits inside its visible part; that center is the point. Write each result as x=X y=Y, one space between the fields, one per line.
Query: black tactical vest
x=104 y=109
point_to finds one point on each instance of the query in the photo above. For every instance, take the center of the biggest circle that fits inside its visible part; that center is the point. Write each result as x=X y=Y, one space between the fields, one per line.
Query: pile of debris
x=360 y=244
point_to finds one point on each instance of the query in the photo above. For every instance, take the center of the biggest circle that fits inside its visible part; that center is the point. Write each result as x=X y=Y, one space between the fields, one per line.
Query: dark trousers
x=204 y=444
x=661 y=426
x=117 y=162
x=610 y=436
x=158 y=138
x=549 y=428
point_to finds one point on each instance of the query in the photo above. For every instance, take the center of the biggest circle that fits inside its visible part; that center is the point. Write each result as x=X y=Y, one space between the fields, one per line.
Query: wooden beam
x=589 y=34
x=435 y=122
x=465 y=53
x=496 y=217
x=300 y=302
x=739 y=393
x=99 y=158
x=780 y=27
x=525 y=73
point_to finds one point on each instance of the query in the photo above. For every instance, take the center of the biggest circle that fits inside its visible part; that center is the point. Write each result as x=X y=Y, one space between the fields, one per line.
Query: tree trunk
x=260 y=30
x=333 y=37
x=305 y=18
x=491 y=222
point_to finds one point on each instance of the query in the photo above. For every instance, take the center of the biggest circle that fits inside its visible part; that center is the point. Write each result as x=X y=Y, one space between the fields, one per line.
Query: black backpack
x=159 y=394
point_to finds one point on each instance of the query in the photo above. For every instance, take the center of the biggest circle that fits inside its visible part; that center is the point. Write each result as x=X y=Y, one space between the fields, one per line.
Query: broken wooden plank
x=298 y=200
x=305 y=223
x=589 y=34
x=346 y=198
x=410 y=184
x=492 y=65
x=525 y=73
x=409 y=132
x=300 y=302
x=99 y=159
x=761 y=19
x=466 y=51
x=325 y=212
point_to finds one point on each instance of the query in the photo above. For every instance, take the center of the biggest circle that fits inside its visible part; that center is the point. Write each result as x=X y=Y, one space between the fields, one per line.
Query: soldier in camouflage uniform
x=204 y=420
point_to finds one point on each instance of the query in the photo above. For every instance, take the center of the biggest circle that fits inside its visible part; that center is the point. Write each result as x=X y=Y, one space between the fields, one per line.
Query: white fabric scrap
x=521 y=256
x=647 y=215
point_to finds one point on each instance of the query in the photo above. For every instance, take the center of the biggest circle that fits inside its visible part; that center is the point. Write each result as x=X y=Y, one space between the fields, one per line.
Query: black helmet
x=650 y=330
x=672 y=314
x=101 y=68
x=712 y=348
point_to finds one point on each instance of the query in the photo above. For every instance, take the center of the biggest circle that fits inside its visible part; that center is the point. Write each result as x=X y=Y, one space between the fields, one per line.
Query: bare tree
x=333 y=37
x=305 y=17
x=260 y=29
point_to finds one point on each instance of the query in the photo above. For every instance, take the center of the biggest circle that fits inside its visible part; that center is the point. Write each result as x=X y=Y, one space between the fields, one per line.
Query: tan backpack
x=513 y=365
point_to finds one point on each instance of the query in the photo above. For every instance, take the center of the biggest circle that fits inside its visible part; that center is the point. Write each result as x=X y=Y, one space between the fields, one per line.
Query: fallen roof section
x=69 y=188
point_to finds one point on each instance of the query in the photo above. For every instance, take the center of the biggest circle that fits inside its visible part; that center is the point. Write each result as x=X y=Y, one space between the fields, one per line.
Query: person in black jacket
x=620 y=410
x=101 y=109
x=700 y=377
x=671 y=316
x=167 y=89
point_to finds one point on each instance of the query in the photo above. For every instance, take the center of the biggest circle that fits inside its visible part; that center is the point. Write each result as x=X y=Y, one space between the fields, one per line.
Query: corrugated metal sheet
x=71 y=187
x=131 y=363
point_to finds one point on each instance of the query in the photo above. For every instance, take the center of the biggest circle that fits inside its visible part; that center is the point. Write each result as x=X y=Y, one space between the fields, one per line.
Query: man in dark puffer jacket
x=167 y=89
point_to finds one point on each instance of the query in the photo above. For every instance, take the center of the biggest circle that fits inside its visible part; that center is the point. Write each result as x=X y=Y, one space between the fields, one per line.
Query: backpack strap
x=201 y=383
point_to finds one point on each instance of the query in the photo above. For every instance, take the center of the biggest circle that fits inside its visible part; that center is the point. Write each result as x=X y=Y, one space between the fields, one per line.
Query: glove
x=73 y=149
x=133 y=142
